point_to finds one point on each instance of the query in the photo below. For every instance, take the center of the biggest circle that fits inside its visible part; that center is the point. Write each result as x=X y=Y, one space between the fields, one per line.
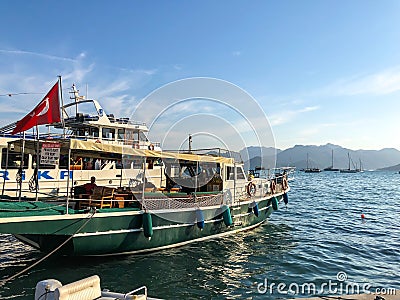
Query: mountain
x=321 y=157
x=395 y=168
x=252 y=156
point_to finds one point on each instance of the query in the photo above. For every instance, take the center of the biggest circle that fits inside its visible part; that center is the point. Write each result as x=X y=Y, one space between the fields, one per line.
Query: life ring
x=284 y=183
x=151 y=147
x=136 y=146
x=251 y=189
x=98 y=141
x=273 y=186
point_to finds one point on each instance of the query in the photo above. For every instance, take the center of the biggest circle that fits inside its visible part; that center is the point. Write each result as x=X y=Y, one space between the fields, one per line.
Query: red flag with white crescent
x=46 y=112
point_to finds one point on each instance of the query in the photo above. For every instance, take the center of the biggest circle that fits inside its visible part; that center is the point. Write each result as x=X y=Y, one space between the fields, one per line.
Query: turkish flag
x=46 y=112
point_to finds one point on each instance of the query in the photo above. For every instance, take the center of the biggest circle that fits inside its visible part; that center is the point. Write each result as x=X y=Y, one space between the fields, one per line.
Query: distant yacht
x=311 y=170
x=331 y=168
x=349 y=170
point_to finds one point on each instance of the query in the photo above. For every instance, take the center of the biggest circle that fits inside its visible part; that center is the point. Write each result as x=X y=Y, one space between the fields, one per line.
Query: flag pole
x=22 y=166
x=36 y=178
x=5 y=171
x=62 y=105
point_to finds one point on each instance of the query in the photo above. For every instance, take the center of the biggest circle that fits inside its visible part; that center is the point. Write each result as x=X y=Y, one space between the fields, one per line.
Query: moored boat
x=349 y=169
x=311 y=170
x=145 y=199
x=331 y=168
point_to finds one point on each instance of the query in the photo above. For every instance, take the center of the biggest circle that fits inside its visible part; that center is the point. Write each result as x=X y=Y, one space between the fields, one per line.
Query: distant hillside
x=395 y=168
x=252 y=156
x=321 y=157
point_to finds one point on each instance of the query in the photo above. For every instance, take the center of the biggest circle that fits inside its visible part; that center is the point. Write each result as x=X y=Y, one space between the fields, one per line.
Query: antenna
x=190 y=143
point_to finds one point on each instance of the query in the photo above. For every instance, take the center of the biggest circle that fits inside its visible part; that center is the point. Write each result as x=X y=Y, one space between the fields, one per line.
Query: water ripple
x=319 y=234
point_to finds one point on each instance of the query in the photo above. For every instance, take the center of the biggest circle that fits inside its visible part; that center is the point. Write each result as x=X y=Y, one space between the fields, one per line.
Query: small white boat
x=84 y=289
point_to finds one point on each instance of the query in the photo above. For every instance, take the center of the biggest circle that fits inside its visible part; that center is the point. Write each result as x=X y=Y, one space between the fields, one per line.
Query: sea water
x=318 y=244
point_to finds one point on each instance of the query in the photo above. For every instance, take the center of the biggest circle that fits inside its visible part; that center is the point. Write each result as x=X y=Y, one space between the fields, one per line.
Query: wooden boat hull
x=120 y=231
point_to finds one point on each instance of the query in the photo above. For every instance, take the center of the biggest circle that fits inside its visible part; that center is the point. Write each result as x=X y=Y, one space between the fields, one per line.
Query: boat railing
x=157 y=201
x=118 y=141
x=273 y=173
x=221 y=152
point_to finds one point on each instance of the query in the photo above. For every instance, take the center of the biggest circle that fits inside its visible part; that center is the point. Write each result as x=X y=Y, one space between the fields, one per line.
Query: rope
x=50 y=253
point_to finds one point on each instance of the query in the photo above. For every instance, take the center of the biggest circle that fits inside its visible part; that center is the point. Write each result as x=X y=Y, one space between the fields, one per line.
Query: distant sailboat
x=349 y=170
x=331 y=168
x=311 y=170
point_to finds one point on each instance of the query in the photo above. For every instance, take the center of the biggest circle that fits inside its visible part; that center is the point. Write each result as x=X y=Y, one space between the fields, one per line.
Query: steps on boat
x=390 y=295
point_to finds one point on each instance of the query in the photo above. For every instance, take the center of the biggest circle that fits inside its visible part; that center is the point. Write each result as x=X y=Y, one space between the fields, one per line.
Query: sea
x=339 y=233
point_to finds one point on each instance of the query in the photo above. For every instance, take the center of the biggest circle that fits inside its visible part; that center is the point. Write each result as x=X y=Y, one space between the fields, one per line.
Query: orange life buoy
x=251 y=189
x=98 y=141
x=284 y=183
x=273 y=186
x=151 y=147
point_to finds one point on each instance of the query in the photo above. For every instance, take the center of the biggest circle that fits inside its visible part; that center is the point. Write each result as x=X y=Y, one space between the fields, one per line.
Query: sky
x=300 y=72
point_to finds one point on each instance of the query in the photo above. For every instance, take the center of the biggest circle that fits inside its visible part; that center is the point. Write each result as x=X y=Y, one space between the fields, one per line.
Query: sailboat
x=331 y=168
x=349 y=170
x=311 y=170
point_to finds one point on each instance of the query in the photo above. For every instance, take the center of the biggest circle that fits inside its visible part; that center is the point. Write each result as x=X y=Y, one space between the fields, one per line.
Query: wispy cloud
x=281 y=118
x=236 y=53
x=379 y=83
x=42 y=55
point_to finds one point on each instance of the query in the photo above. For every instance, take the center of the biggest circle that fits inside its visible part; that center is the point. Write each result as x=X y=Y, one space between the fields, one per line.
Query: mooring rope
x=50 y=253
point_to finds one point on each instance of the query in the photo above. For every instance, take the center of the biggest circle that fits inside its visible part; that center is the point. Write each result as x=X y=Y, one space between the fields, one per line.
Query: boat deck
x=38 y=208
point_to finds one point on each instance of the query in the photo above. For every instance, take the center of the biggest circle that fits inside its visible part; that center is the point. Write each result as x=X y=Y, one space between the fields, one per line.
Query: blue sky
x=323 y=71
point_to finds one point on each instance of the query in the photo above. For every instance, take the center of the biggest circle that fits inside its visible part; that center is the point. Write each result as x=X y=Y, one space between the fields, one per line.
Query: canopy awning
x=79 y=147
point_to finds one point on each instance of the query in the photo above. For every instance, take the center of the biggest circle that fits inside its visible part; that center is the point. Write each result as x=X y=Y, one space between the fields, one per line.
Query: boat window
x=142 y=137
x=94 y=132
x=108 y=133
x=121 y=134
x=229 y=173
x=240 y=173
x=14 y=159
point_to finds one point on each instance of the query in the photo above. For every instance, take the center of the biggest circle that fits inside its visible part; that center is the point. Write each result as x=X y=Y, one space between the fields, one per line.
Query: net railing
x=182 y=202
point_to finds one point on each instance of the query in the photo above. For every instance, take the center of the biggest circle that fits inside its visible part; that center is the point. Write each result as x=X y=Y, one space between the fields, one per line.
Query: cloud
x=42 y=55
x=379 y=83
x=236 y=53
x=287 y=116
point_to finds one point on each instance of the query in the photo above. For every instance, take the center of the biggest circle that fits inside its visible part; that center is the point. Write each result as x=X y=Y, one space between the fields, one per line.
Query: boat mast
x=62 y=106
x=332 y=158
x=348 y=155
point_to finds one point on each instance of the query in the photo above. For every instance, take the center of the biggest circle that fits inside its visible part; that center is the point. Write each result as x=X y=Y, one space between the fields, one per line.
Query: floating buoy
x=147 y=225
x=362 y=216
x=255 y=209
x=285 y=198
x=226 y=215
x=200 y=218
x=275 y=203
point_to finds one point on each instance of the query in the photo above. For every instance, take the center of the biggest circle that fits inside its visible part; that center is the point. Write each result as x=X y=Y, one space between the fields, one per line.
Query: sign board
x=50 y=154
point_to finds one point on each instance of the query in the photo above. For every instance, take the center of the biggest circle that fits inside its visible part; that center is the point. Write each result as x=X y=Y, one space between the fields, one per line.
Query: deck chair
x=97 y=195
x=102 y=198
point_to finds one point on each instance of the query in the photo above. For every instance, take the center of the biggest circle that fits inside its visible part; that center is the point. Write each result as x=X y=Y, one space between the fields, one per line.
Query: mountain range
x=321 y=157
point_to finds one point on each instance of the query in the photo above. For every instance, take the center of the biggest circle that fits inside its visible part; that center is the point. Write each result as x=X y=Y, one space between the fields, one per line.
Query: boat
x=145 y=199
x=349 y=170
x=311 y=170
x=331 y=168
x=85 y=289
